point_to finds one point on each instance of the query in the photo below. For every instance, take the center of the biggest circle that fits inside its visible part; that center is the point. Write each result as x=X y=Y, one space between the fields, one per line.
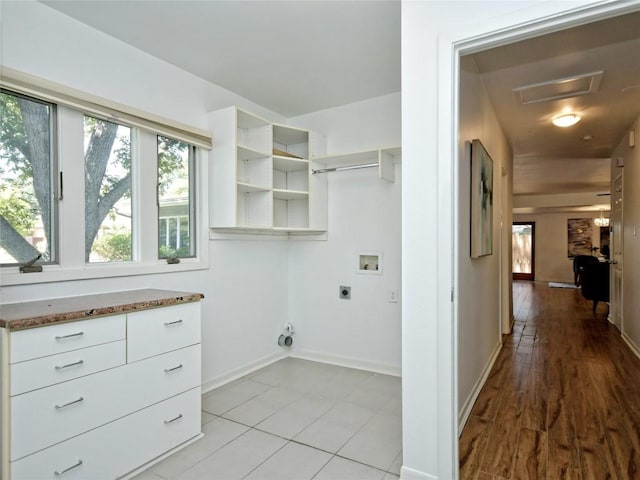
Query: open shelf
x=291 y=213
x=253 y=132
x=255 y=172
x=384 y=157
x=254 y=208
x=261 y=176
x=291 y=140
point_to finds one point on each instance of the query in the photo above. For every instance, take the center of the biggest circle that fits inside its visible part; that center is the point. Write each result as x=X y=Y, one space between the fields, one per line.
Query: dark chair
x=579 y=262
x=595 y=282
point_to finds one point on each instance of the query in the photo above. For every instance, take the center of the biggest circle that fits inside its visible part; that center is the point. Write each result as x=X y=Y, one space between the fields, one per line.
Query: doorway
x=616 y=253
x=523 y=241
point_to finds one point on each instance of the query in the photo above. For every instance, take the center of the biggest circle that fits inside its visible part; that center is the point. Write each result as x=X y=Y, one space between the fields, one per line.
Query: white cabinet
x=100 y=398
x=155 y=331
x=99 y=454
x=261 y=176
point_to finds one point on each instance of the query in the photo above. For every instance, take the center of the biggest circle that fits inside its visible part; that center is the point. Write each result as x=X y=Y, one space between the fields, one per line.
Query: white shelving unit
x=382 y=158
x=261 y=176
x=290 y=177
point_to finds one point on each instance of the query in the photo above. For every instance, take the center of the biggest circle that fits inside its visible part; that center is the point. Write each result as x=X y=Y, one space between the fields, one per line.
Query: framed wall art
x=481 y=201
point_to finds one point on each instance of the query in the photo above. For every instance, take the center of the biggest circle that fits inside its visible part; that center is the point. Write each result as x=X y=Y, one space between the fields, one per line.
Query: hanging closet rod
x=346 y=167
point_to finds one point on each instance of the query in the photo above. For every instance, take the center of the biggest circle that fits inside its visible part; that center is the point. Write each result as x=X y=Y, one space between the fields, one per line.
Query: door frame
x=528 y=276
x=526 y=23
x=616 y=253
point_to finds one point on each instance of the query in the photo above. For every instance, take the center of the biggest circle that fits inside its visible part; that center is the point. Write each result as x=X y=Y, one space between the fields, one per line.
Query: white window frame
x=193 y=204
x=53 y=241
x=71 y=262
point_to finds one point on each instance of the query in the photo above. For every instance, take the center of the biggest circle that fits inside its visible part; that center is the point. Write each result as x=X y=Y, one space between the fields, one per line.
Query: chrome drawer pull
x=62 y=337
x=57 y=473
x=169 y=370
x=167 y=422
x=58 y=407
x=175 y=322
x=60 y=367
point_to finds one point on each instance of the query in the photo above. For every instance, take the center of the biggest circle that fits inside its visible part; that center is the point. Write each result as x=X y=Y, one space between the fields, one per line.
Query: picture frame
x=481 y=201
x=579 y=237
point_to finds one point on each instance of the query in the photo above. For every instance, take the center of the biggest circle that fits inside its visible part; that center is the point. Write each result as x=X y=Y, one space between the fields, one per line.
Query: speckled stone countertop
x=18 y=316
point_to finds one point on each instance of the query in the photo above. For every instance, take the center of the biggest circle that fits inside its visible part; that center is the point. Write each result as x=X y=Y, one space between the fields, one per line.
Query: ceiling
x=552 y=160
x=295 y=57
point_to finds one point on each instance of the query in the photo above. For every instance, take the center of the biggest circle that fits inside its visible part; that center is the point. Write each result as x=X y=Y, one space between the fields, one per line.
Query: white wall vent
x=561 y=88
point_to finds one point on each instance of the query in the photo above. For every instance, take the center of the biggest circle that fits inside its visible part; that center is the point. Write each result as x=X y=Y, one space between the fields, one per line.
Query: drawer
x=50 y=415
x=42 y=372
x=54 y=339
x=119 y=447
x=160 y=330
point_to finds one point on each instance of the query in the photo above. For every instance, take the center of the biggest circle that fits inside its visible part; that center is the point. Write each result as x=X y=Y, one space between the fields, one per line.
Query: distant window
x=27 y=204
x=176 y=199
x=108 y=212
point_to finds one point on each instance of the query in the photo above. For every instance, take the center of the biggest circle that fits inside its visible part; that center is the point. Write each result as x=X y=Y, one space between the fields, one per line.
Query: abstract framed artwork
x=481 y=201
x=579 y=237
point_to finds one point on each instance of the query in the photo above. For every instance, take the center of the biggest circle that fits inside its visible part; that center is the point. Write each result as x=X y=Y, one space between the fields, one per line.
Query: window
x=176 y=189
x=130 y=202
x=27 y=169
x=107 y=191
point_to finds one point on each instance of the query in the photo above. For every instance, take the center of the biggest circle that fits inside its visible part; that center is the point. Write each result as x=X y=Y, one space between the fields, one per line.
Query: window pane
x=175 y=199
x=27 y=206
x=108 y=216
x=521 y=240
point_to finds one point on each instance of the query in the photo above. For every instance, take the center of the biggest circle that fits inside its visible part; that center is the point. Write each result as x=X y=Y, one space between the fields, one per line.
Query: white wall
x=631 y=234
x=364 y=215
x=369 y=124
x=246 y=286
x=552 y=263
x=478 y=279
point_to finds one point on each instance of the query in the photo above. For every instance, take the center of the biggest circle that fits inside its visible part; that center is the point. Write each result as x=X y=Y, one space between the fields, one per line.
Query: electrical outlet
x=345 y=292
x=392 y=296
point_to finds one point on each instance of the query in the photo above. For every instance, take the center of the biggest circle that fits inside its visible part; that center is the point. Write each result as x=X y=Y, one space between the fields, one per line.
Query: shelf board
x=248 y=187
x=300 y=230
x=355 y=158
x=289 y=194
x=288 y=164
x=247 y=153
x=258 y=230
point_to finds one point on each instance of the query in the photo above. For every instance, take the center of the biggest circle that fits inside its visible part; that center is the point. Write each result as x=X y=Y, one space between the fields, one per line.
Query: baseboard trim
x=465 y=411
x=407 y=473
x=311 y=355
x=236 y=373
x=632 y=345
x=348 y=362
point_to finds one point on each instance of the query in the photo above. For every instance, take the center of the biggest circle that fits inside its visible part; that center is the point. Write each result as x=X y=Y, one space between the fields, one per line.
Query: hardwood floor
x=562 y=400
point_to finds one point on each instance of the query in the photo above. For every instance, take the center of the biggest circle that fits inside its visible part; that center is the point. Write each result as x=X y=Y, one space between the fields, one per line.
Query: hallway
x=562 y=400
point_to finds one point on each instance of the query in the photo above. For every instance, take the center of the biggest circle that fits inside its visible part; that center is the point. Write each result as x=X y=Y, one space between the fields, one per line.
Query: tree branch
x=15 y=244
x=101 y=210
x=112 y=196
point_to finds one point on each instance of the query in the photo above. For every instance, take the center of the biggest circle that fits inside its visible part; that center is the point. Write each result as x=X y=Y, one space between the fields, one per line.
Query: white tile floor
x=295 y=420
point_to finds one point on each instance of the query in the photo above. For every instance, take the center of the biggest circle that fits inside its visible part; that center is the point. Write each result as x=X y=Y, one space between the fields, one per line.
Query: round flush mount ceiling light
x=566 y=120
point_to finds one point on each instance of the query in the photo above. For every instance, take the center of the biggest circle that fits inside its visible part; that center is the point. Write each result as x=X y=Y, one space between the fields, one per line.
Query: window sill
x=55 y=273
